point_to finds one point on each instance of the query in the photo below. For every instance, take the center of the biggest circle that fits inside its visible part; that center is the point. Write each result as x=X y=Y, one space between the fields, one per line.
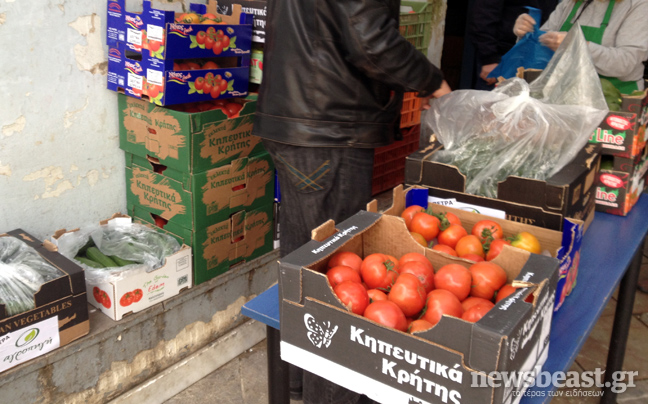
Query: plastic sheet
x=145 y=247
x=527 y=130
x=22 y=273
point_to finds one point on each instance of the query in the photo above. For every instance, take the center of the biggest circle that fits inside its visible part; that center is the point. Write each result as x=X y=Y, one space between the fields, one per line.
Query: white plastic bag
x=530 y=131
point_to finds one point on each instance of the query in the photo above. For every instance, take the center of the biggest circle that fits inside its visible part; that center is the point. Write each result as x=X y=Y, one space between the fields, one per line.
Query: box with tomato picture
x=195 y=201
x=217 y=247
x=119 y=292
x=450 y=362
x=620 y=183
x=53 y=310
x=173 y=58
x=193 y=138
x=564 y=245
x=569 y=193
x=623 y=133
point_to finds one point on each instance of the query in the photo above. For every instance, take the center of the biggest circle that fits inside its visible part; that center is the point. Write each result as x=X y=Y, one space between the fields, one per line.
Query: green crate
x=416 y=27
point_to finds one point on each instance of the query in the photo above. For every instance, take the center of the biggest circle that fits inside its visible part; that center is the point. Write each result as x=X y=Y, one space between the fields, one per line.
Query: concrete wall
x=60 y=162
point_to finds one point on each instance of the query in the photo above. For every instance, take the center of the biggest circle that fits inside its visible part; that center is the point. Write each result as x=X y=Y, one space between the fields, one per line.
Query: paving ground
x=244 y=380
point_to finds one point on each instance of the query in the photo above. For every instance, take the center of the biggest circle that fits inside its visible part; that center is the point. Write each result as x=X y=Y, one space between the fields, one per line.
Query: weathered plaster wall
x=60 y=162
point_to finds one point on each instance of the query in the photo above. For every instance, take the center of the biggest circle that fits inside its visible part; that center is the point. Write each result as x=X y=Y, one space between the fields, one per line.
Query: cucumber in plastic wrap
x=22 y=273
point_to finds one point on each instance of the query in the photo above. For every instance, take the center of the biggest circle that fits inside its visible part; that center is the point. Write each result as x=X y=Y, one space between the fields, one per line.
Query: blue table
x=610 y=256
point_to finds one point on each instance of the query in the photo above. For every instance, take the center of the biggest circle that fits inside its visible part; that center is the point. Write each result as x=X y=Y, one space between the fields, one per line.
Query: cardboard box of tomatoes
x=570 y=193
x=188 y=141
x=139 y=287
x=152 y=53
x=620 y=183
x=563 y=245
x=372 y=354
x=59 y=310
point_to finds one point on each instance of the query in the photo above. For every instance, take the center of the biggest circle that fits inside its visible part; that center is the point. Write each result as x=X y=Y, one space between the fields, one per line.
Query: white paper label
x=134 y=36
x=154 y=76
x=453 y=203
x=135 y=81
x=29 y=342
x=154 y=32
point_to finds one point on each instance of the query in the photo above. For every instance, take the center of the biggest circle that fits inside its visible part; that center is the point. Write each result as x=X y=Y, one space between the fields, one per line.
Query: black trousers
x=318 y=184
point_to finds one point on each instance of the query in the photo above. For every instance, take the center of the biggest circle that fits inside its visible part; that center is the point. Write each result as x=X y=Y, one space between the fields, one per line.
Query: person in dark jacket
x=491 y=31
x=333 y=80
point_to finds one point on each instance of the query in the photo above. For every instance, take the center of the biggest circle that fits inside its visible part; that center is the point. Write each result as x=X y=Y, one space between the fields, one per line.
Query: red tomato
x=487 y=229
x=447 y=219
x=378 y=271
x=200 y=37
x=487 y=278
x=526 y=241
x=223 y=86
x=419 y=239
x=232 y=108
x=495 y=248
x=192 y=66
x=440 y=302
x=426 y=225
x=409 y=213
x=452 y=235
x=469 y=245
x=353 y=295
x=414 y=256
x=217 y=48
x=508 y=290
x=210 y=64
x=209 y=42
x=473 y=257
x=446 y=249
x=226 y=41
x=476 y=312
x=105 y=299
x=424 y=273
x=96 y=292
x=126 y=300
x=418 y=326
x=341 y=273
x=504 y=291
x=137 y=295
x=199 y=83
x=347 y=258
x=386 y=313
x=376 y=295
x=454 y=278
x=472 y=301
x=408 y=293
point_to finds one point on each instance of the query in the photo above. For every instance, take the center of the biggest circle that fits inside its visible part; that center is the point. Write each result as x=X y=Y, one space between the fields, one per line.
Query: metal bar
x=278 y=383
x=621 y=328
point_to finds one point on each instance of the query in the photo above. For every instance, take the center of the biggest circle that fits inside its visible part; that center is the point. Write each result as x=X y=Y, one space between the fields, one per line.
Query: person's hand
x=552 y=39
x=523 y=25
x=485 y=71
x=443 y=90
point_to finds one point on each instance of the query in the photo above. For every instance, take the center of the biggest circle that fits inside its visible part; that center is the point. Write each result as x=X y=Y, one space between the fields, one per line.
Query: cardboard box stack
x=624 y=165
x=193 y=168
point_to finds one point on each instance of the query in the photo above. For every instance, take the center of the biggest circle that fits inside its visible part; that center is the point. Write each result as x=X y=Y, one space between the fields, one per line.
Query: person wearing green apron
x=616 y=32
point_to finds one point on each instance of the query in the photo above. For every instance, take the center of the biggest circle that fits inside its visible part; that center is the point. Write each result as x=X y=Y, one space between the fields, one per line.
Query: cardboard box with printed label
x=257 y=8
x=146 y=51
x=563 y=245
x=443 y=364
x=243 y=236
x=187 y=142
x=60 y=313
x=195 y=201
x=140 y=287
x=570 y=193
x=623 y=133
x=620 y=184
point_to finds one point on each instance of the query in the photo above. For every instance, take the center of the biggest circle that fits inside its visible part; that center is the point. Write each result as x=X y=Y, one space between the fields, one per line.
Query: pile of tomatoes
x=444 y=232
x=407 y=294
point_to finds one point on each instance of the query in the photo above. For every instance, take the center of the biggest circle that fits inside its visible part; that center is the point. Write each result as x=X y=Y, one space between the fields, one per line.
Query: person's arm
x=631 y=45
x=486 y=19
x=376 y=47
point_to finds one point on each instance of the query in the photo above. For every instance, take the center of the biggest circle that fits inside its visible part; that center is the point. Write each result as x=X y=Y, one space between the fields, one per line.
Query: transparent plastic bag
x=146 y=248
x=526 y=130
x=22 y=273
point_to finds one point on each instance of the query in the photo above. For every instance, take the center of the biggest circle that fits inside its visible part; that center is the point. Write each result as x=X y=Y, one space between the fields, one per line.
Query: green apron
x=595 y=34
